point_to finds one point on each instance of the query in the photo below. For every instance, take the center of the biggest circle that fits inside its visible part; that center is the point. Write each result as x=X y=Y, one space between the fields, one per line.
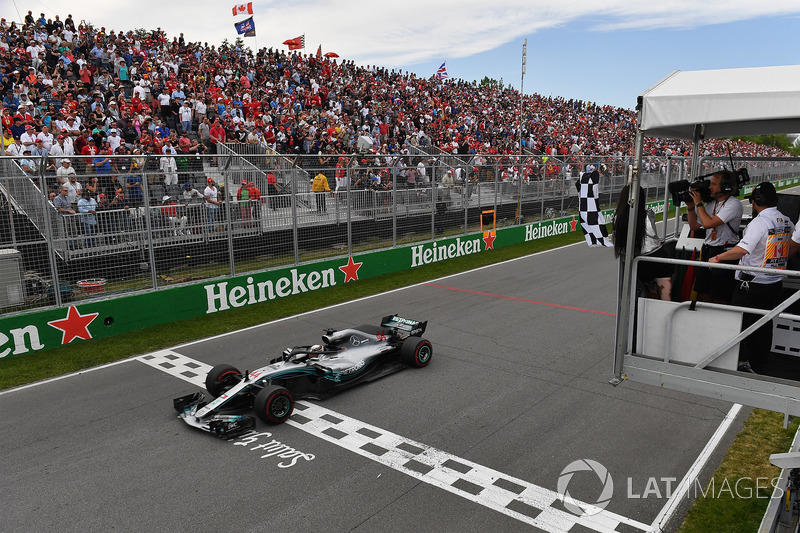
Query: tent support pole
x=621 y=347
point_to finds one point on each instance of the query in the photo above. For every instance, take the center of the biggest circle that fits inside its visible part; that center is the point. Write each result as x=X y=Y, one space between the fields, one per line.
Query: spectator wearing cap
x=113 y=139
x=185 y=114
x=177 y=221
x=46 y=137
x=64 y=171
x=29 y=137
x=60 y=149
x=113 y=110
x=74 y=189
x=38 y=150
x=190 y=194
x=17 y=127
x=89 y=151
x=27 y=163
x=72 y=126
x=16 y=148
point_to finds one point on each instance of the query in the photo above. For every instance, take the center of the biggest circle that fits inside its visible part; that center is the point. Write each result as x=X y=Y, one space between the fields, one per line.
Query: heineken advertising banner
x=94 y=319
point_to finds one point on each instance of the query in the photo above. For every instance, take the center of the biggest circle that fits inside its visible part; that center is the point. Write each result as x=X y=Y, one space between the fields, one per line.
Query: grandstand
x=154 y=118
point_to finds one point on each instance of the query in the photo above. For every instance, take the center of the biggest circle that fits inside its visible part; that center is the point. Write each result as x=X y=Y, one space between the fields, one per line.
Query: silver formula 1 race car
x=345 y=358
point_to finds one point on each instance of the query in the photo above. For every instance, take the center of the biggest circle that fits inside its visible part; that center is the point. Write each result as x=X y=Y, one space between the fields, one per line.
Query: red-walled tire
x=416 y=352
x=221 y=379
x=273 y=404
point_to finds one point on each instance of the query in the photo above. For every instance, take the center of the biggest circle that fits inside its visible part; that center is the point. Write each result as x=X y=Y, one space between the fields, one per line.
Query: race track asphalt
x=516 y=391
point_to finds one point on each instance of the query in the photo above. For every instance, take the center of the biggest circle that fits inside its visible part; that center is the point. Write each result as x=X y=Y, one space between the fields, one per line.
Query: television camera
x=732 y=182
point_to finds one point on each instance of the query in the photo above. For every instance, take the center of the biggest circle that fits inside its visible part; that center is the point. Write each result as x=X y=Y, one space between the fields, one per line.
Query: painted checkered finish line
x=511 y=496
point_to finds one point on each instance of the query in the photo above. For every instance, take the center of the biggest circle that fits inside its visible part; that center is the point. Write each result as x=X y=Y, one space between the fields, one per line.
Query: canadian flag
x=243 y=9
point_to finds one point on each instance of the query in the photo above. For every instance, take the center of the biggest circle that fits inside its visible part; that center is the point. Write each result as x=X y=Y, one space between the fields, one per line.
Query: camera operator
x=765 y=244
x=721 y=218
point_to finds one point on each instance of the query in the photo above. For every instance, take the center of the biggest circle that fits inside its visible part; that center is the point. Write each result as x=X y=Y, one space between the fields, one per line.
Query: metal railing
x=160 y=230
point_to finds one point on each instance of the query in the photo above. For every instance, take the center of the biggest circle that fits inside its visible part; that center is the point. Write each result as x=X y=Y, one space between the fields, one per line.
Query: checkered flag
x=593 y=223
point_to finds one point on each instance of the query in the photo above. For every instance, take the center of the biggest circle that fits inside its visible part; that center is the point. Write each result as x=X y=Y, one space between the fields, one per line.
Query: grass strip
x=736 y=497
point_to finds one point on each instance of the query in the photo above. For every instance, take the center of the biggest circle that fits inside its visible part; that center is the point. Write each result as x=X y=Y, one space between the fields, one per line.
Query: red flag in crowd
x=296 y=43
x=243 y=9
x=319 y=51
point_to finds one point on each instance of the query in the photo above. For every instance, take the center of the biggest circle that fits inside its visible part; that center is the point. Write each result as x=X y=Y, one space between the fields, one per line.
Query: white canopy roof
x=730 y=102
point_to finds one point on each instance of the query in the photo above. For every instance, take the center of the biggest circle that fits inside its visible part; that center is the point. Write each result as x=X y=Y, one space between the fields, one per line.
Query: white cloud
x=397 y=34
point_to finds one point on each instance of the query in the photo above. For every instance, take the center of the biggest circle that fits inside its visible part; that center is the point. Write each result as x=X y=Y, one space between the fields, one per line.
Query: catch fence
x=148 y=224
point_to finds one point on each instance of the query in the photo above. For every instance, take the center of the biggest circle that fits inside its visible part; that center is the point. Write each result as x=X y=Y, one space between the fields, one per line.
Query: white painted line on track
x=688 y=480
x=490 y=488
x=65 y=376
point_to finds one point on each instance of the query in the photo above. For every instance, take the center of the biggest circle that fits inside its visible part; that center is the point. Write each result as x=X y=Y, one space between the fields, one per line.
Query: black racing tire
x=221 y=379
x=416 y=352
x=273 y=404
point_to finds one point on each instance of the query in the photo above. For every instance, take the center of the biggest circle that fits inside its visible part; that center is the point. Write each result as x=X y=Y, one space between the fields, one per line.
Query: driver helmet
x=316 y=348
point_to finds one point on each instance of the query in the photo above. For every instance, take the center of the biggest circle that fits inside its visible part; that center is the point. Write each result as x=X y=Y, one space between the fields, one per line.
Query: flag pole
x=519 y=216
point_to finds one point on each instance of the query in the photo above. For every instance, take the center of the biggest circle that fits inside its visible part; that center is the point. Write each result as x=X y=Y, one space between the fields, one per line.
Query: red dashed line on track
x=521 y=299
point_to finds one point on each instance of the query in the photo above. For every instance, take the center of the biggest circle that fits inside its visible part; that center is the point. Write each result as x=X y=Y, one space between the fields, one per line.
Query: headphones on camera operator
x=729 y=184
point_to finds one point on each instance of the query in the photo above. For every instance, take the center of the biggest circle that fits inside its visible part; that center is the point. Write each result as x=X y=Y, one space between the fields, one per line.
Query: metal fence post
x=148 y=224
x=520 y=219
x=496 y=175
x=394 y=213
x=295 y=242
x=349 y=204
x=49 y=238
x=664 y=218
x=228 y=211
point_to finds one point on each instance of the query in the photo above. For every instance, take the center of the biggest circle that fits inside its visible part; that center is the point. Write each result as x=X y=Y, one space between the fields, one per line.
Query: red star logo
x=350 y=270
x=74 y=326
x=573 y=223
x=488 y=238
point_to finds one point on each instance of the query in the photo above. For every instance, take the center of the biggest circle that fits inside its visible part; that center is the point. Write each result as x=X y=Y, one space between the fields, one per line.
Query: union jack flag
x=442 y=72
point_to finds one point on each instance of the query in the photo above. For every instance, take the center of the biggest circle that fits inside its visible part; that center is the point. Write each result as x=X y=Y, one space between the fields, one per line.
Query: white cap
x=165 y=198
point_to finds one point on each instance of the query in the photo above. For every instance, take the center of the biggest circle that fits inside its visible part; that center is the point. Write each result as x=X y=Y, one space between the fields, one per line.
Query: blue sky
x=615 y=67
x=606 y=51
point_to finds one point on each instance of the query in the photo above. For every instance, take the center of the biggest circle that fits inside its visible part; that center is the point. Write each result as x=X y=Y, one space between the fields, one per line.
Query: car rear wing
x=406 y=325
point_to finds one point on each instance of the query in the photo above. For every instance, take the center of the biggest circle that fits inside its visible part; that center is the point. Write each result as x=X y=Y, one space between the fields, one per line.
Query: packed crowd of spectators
x=74 y=89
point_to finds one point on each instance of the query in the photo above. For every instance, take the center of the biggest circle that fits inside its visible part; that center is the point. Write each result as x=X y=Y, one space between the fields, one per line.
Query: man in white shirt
x=766 y=243
x=212 y=202
x=61 y=149
x=113 y=139
x=64 y=171
x=721 y=218
x=46 y=137
x=170 y=169
x=29 y=137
